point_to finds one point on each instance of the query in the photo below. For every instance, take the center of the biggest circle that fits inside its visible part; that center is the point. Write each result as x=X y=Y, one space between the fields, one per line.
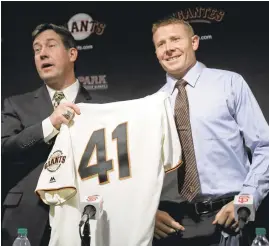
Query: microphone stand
x=242 y=221
x=242 y=239
x=89 y=212
x=85 y=238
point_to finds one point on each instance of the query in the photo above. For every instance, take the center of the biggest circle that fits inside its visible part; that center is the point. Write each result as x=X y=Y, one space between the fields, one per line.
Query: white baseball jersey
x=121 y=152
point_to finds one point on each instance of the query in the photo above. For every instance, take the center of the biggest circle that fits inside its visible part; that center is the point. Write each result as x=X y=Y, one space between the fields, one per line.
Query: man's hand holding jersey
x=63 y=114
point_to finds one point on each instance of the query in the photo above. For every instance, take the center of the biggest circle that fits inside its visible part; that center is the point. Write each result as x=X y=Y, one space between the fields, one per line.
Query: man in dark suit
x=30 y=123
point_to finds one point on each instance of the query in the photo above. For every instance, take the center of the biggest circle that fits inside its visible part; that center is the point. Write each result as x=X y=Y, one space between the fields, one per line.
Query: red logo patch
x=243 y=199
x=92 y=198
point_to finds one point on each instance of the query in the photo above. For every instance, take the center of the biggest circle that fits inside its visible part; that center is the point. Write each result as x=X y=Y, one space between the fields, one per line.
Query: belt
x=209 y=206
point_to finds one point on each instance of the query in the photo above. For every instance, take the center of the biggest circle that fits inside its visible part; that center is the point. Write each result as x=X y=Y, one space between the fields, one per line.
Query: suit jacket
x=23 y=155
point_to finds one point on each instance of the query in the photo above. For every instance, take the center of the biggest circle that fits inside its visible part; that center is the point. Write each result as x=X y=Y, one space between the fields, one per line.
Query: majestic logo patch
x=55 y=161
x=52 y=180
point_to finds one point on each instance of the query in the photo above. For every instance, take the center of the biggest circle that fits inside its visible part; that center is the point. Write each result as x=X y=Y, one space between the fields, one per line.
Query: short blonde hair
x=169 y=21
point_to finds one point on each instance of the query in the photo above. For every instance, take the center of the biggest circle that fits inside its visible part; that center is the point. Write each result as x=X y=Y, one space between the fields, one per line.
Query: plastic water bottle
x=260 y=239
x=22 y=239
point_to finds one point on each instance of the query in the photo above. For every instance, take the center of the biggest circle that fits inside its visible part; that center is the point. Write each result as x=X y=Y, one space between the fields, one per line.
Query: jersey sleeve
x=57 y=181
x=171 y=149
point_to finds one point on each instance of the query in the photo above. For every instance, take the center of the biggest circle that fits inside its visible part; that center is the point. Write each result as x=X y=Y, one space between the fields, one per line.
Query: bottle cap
x=260 y=231
x=22 y=231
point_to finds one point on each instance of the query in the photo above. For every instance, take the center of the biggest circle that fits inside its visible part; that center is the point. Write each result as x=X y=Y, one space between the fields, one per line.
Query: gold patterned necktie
x=188 y=180
x=58 y=96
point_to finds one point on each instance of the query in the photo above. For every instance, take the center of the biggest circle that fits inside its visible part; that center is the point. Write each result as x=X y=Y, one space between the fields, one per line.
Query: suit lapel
x=83 y=95
x=43 y=102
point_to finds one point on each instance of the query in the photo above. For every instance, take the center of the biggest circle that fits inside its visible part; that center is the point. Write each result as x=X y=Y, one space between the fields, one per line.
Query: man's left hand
x=225 y=217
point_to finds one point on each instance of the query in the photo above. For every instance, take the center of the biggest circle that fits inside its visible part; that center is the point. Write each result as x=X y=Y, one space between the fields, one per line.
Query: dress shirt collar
x=191 y=77
x=70 y=92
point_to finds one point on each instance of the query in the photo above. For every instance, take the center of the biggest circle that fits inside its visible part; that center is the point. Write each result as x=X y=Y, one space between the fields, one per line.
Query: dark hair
x=67 y=38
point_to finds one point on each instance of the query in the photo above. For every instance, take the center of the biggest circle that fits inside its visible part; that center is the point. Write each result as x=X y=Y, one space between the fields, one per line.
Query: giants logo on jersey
x=55 y=161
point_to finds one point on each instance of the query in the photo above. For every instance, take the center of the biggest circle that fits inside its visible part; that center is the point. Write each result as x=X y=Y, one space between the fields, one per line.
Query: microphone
x=88 y=213
x=92 y=207
x=244 y=210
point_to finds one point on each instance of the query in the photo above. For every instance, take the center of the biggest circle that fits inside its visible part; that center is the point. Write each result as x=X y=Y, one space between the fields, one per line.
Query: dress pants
x=199 y=230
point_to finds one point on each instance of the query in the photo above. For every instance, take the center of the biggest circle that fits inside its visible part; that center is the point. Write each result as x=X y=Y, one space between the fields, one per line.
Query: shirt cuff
x=48 y=130
x=250 y=190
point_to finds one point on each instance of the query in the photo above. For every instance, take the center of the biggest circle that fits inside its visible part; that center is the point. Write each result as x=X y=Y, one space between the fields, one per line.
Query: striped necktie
x=188 y=180
x=57 y=98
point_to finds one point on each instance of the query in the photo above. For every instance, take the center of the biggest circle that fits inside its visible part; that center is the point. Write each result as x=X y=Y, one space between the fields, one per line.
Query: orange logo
x=92 y=198
x=243 y=199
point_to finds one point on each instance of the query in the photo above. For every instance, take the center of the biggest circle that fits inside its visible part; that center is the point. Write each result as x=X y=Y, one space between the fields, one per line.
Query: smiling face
x=54 y=62
x=175 y=48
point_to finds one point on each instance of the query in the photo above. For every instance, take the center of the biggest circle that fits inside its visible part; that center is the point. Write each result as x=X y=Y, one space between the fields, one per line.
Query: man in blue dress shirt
x=225 y=119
